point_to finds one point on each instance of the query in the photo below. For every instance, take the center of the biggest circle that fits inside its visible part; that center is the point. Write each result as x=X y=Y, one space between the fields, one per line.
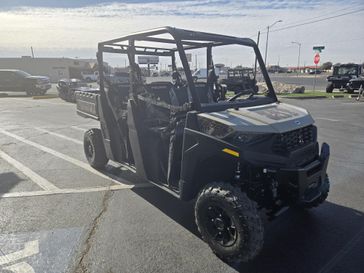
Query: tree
x=326 y=66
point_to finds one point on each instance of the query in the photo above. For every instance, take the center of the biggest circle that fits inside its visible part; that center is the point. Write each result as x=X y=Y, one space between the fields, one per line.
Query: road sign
x=148 y=59
x=316 y=59
x=318 y=48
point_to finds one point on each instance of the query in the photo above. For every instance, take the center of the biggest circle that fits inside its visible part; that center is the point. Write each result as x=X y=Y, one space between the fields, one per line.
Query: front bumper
x=305 y=184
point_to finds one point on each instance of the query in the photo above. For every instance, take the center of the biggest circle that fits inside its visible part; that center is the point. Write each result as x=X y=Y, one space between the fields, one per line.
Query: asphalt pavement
x=306 y=80
x=60 y=215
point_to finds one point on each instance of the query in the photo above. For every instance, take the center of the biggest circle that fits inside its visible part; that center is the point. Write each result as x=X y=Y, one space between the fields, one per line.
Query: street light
x=299 y=55
x=266 y=43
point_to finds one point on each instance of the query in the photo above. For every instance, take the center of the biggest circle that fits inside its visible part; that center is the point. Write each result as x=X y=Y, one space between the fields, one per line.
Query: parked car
x=313 y=72
x=13 y=80
x=201 y=74
x=356 y=83
x=90 y=76
x=276 y=69
x=118 y=78
x=236 y=158
x=341 y=76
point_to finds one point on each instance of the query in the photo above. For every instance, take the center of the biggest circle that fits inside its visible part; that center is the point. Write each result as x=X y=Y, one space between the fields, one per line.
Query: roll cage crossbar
x=183 y=40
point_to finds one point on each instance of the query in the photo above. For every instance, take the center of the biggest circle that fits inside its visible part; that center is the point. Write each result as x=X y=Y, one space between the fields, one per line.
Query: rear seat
x=161 y=91
x=203 y=92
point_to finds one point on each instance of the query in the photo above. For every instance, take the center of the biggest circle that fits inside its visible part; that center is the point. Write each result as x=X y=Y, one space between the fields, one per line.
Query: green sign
x=318 y=48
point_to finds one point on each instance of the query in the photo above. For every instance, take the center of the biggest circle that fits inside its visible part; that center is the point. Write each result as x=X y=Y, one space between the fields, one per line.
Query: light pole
x=266 y=42
x=299 y=55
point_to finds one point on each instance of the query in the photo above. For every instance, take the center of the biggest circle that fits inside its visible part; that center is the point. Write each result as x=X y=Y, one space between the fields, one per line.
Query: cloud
x=75 y=27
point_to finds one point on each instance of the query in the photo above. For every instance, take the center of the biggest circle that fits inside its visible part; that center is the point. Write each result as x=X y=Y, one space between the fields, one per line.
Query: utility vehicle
x=235 y=158
x=67 y=87
x=341 y=76
x=241 y=80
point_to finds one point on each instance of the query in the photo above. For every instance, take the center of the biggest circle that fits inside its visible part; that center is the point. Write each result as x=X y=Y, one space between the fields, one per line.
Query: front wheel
x=229 y=222
x=330 y=88
x=94 y=149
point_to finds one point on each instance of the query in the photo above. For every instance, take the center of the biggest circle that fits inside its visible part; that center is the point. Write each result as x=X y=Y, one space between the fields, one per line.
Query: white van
x=201 y=74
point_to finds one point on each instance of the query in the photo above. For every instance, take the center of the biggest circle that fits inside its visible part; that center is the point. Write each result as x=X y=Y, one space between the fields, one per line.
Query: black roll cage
x=184 y=40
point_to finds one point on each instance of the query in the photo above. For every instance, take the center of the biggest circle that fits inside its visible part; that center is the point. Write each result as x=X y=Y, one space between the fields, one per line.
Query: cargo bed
x=88 y=104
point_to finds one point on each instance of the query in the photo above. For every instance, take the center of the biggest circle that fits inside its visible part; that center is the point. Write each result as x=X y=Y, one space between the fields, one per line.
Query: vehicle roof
x=339 y=65
x=189 y=39
x=10 y=70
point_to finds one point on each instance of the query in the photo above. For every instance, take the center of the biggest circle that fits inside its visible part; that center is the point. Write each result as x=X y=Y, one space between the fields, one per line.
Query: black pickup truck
x=12 y=80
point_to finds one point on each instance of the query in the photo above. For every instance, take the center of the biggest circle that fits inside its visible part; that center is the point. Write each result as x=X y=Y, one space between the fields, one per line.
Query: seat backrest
x=181 y=94
x=161 y=91
x=203 y=92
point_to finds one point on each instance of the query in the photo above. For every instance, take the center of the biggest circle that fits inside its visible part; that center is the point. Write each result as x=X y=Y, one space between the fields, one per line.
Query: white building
x=54 y=68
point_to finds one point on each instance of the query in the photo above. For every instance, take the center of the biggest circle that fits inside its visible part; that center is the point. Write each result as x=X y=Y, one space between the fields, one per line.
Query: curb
x=313 y=97
x=50 y=96
x=303 y=98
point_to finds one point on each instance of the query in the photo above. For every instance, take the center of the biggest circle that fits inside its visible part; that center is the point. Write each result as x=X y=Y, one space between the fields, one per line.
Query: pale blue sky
x=73 y=28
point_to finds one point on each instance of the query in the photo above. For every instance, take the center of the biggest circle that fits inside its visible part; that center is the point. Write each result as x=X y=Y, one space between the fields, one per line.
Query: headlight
x=214 y=128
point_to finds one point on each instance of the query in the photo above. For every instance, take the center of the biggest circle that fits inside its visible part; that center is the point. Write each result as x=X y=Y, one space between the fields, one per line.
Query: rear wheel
x=330 y=88
x=94 y=149
x=229 y=222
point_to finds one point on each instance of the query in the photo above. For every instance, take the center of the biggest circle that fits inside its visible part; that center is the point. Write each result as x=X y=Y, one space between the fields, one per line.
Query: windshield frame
x=348 y=68
x=184 y=40
x=23 y=73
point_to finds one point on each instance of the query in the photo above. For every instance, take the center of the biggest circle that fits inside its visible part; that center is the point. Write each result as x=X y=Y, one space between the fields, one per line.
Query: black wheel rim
x=89 y=149
x=220 y=225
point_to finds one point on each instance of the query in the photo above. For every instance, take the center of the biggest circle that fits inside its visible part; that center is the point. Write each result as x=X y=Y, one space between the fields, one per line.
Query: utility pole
x=31 y=49
x=266 y=42
x=299 y=56
x=255 y=64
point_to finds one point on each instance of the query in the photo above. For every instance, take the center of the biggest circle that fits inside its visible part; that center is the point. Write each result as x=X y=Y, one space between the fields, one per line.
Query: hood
x=271 y=118
x=38 y=78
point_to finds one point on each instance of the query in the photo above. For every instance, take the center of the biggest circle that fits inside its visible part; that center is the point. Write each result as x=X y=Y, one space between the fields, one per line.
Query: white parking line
x=59 y=135
x=329 y=119
x=30 y=249
x=40 y=181
x=60 y=155
x=78 y=128
x=72 y=191
x=125 y=166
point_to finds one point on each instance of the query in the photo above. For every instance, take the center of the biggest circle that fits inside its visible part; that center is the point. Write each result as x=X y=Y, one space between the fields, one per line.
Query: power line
x=310 y=22
x=316 y=21
x=351 y=8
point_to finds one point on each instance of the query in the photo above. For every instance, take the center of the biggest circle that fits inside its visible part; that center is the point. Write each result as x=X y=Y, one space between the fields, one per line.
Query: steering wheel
x=242 y=93
x=177 y=79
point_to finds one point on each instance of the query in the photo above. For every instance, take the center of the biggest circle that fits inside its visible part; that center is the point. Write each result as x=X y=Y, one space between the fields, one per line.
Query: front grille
x=294 y=140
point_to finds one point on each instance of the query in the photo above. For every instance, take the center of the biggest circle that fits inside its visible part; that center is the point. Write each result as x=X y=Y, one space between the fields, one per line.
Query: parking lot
x=60 y=215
